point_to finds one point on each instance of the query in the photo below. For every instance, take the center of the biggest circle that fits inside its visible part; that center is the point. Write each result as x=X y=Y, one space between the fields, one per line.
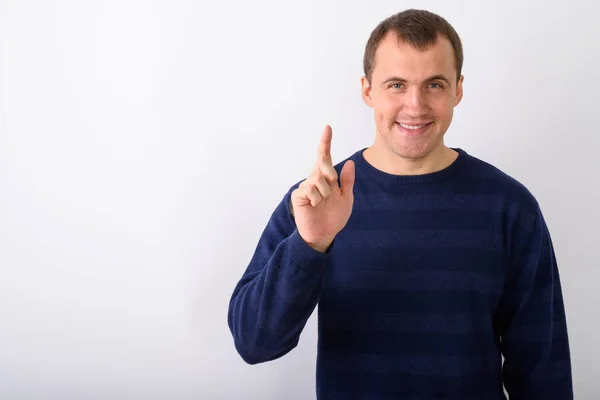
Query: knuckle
x=313 y=179
x=324 y=189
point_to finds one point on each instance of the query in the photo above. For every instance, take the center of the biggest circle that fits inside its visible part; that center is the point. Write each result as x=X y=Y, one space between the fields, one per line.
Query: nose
x=415 y=102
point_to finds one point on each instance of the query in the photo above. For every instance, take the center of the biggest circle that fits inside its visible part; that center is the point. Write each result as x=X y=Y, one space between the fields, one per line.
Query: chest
x=403 y=259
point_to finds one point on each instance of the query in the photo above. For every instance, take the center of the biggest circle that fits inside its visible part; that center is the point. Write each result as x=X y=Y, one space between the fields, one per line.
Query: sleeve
x=277 y=293
x=531 y=318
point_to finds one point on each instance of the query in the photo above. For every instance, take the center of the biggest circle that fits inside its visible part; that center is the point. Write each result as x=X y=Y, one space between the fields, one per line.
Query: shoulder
x=493 y=179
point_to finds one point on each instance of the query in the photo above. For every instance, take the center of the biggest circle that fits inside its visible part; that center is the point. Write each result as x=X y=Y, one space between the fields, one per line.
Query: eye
x=396 y=85
x=435 y=85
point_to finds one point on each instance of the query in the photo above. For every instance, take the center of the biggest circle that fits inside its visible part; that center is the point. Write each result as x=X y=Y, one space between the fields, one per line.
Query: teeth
x=413 y=127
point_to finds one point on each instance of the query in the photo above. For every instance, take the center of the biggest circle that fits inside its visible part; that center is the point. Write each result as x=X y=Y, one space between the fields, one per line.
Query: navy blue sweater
x=434 y=278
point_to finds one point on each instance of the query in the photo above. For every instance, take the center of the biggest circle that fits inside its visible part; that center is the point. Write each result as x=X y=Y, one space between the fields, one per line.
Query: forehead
x=397 y=58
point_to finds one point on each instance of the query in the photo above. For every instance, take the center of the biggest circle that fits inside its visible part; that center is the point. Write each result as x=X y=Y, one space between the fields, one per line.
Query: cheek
x=442 y=108
x=387 y=108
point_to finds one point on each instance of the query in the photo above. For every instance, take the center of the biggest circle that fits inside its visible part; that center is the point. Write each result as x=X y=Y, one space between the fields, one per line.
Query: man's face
x=413 y=94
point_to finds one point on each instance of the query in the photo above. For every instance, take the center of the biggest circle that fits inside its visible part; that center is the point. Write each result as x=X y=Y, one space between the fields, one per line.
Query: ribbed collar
x=362 y=166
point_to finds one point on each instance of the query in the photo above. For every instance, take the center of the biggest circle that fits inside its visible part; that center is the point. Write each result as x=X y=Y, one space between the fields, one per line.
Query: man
x=428 y=264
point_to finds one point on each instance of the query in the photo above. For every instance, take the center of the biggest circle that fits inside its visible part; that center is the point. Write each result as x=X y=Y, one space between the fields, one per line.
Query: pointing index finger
x=324 y=162
x=325 y=145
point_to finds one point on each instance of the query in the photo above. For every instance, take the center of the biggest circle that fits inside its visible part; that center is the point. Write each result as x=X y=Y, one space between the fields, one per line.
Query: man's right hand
x=320 y=206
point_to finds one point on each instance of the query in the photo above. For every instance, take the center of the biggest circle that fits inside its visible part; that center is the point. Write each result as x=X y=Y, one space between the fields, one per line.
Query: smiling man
x=413 y=84
x=428 y=264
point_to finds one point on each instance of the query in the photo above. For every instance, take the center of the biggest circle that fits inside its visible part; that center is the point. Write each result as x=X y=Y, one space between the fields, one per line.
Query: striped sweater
x=434 y=281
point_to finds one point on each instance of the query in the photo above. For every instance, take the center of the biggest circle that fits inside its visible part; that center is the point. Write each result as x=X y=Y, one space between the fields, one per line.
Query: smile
x=406 y=126
x=413 y=129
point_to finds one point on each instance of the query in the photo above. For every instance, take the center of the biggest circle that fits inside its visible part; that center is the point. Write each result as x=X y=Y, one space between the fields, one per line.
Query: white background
x=143 y=146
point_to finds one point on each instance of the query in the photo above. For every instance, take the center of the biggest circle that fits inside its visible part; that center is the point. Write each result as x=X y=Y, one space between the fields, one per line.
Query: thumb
x=347 y=178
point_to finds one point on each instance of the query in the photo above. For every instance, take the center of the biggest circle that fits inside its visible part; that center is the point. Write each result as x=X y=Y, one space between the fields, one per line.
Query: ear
x=366 y=91
x=459 y=91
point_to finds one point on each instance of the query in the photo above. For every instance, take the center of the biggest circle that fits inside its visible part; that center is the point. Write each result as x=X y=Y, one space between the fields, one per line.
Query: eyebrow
x=431 y=78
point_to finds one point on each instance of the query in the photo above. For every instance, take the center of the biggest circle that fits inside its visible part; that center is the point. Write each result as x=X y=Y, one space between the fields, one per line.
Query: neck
x=384 y=160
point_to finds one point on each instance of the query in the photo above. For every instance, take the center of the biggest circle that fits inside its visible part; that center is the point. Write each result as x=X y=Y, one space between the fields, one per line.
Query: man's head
x=412 y=65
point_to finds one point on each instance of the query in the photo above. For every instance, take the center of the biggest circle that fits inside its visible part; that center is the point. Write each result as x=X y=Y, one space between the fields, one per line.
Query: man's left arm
x=531 y=318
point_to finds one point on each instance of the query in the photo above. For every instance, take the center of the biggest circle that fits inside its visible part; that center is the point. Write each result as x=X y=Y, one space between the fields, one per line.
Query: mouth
x=413 y=129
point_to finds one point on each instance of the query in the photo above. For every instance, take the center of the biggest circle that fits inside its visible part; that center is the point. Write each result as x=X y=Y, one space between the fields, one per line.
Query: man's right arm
x=278 y=292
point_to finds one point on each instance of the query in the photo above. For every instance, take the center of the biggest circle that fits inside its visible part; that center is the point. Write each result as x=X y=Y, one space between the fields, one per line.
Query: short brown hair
x=420 y=29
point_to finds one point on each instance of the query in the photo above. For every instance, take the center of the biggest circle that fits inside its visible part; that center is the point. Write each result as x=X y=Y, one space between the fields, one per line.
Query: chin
x=412 y=154
x=413 y=151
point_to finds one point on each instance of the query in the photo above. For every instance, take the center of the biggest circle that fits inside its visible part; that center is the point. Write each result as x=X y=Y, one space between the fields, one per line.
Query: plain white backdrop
x=144 y=145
